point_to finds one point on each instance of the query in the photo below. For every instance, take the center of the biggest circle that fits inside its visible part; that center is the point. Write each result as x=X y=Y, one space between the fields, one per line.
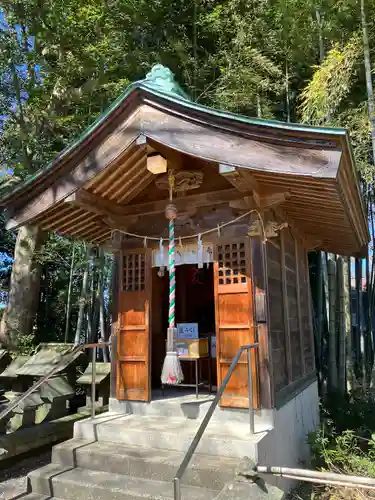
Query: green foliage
x=26 y=344
x=331 y=83
x=354 y=411
x=345 y=453
x=345 y=442
x=54 y=258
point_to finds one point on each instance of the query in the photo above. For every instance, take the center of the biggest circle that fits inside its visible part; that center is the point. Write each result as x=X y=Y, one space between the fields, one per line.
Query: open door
x=133 y=344
x=235 y=324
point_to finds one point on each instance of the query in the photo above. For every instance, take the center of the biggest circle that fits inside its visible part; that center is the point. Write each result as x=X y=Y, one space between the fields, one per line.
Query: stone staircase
x=129 y=457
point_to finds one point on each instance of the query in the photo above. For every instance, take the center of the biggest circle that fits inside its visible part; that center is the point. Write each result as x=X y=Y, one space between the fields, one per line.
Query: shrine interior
x=195 y=303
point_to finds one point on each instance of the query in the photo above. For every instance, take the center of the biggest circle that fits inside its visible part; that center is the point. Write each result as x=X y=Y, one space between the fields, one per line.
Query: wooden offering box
x=192 y=348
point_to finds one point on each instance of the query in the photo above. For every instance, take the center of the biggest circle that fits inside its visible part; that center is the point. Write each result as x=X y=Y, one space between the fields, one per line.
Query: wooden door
x=235 y=324
x=134 y=339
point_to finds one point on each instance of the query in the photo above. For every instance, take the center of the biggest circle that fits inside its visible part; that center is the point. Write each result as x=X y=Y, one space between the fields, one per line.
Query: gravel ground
x=13 y=478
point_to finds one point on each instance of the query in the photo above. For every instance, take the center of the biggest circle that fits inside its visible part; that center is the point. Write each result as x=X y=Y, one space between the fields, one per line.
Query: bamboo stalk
x=348 y=325
x=342 y=326
x=319 y=313
x=332 y=350
x=360 y=341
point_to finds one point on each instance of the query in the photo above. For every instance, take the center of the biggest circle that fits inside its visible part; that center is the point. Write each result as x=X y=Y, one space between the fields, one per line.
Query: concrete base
x=134 y=456
x=284 y=431
x=293 y=422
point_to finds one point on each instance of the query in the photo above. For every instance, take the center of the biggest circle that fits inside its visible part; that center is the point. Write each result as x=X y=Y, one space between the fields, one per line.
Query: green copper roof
x=160 y=82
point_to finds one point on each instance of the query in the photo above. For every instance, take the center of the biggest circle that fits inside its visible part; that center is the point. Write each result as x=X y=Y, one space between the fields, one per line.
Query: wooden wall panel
x=276 y=314
x=293 y=320
x=290 y=327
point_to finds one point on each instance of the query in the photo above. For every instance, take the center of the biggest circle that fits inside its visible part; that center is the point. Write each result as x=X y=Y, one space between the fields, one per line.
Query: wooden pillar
x=114 y=320
x=259 y=270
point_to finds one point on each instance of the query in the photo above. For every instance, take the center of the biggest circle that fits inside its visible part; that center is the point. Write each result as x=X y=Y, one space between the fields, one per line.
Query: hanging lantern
x=156 y=164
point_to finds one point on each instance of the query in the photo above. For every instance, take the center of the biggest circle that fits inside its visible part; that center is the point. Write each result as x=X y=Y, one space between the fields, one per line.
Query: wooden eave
x=314 y=165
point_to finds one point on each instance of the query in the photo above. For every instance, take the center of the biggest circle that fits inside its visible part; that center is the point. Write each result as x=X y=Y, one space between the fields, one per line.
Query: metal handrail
x=189 y=454
x=52 y=372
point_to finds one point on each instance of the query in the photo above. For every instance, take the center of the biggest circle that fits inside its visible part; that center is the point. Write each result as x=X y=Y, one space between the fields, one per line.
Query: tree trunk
x=287 y=92
x=371 y=112
x=320 y=30
x=94 y=306
x=19 y=315
x=369 y=87
x=69 y=298
x=259 y=107
x=102 y=325
x=83 y=298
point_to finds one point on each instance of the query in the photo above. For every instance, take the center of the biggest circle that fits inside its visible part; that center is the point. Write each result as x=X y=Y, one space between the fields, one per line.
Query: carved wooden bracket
x=244 y=181
x=272 y=229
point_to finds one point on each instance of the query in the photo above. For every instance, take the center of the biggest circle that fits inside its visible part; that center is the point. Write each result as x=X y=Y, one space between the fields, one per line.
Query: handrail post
x=250 y=390
x=177 y=488
x=185 y=462
x=93 y=375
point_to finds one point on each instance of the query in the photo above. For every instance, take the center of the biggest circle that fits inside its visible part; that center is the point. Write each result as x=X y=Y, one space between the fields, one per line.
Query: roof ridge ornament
x=162 y=79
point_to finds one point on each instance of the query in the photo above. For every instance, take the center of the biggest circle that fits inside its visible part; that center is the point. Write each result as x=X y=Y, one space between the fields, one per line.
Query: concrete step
x=177 y=404
x=205 y=471
x=82 y=484
x=176 y=434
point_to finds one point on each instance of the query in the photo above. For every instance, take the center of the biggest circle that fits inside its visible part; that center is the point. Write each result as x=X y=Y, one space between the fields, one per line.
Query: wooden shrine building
x=268 y=191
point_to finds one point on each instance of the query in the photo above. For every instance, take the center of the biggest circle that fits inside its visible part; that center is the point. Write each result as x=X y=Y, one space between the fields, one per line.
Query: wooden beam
x=274 y=199
x=246 y=203
x=260 y=201
x=98 y=205
x=238 y=179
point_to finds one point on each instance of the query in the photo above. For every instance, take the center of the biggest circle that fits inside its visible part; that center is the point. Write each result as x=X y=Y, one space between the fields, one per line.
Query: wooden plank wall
x=289 y=311
x=291 y=265
x=276 y=319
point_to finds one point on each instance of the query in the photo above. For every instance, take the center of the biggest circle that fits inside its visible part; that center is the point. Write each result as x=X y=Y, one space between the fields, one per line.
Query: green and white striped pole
x=171 y=373
x=172 y=276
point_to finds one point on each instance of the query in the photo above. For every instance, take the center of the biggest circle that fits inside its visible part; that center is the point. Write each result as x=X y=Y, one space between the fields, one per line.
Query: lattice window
x=232 y=263
x=134 y=269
